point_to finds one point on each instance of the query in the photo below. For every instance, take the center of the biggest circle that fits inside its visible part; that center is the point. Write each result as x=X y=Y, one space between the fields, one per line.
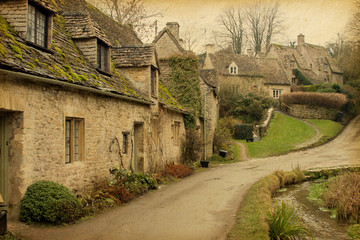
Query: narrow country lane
x=202 y=206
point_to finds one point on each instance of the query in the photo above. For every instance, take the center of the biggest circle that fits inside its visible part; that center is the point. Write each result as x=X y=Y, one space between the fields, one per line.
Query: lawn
x=282 y=136
x=327 y=128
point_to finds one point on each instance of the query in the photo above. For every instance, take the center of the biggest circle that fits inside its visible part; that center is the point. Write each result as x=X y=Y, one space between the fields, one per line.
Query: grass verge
x=251 y=220
x=283 y=135
x=328 y=128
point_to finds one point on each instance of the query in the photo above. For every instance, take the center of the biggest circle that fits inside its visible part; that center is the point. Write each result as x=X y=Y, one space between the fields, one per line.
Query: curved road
x=202 y=206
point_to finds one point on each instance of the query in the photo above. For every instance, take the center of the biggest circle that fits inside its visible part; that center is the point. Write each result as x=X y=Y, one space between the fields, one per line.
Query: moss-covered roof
x=63 y=62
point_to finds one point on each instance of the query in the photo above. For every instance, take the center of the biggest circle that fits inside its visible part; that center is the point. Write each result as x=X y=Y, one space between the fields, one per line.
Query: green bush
x=243 y=131
x=222 y=135
x=49 y=202
x=301 y=77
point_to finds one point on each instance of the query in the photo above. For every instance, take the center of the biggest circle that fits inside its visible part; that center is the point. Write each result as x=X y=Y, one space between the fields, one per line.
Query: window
x=102 y=56
x=74 y=139
x=176 y=133
x=325 y=67
x=233 y=70
x=293 y=80
x=37 y=26
x=292 y=63
x=153 y=81
x=276 y=93
x=125 y=142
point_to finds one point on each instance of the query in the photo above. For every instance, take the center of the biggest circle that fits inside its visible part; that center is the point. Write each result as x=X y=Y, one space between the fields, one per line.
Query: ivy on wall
x=302 y=80
x=184 y=84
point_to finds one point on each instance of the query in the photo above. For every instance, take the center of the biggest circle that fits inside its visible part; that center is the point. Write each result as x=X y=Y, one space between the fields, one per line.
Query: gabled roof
x=210 y=77
x=266 y=68
x=305 y=55
x=172 y=37
x=133 y=56
x=80 y=25
x=63 y=62
x=98 y=22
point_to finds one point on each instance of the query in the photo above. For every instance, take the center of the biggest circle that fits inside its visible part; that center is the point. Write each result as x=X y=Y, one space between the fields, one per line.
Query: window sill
x=44 y=49
x=103 y=72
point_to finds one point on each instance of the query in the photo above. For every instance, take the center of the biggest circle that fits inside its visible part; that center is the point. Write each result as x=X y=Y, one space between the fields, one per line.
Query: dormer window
x=37 y=26
x=103 y=55
x=233 y=68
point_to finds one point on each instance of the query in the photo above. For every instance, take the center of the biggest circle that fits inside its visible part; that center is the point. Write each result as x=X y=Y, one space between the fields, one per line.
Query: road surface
x=203 y=206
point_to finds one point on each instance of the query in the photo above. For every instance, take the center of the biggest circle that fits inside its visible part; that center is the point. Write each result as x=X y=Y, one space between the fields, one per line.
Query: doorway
x=139 y=147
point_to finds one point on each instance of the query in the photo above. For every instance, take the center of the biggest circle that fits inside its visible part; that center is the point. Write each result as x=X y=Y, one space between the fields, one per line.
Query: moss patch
x=16 y=49
x=19 y=57
x=32 y=66
x=3 y=51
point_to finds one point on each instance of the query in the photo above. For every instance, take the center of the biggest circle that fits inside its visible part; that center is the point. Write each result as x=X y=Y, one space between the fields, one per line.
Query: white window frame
x=277 y=93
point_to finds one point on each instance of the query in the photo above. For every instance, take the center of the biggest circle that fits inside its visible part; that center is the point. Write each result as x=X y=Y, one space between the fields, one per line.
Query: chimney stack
x=210 y=48
x=301 y=39
x=173 y=28
x=250 y=52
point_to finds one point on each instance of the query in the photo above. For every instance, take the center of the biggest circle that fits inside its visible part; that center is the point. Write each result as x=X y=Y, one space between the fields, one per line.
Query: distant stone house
x=79 y=94
x=242 y=73
x=168 y=44
x=313 y=61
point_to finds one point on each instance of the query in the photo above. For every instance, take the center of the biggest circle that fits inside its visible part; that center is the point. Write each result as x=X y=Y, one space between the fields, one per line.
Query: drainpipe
x=205 y=139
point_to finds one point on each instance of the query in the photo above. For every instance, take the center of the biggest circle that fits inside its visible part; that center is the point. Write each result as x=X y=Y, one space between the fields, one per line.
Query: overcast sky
x=319 y=20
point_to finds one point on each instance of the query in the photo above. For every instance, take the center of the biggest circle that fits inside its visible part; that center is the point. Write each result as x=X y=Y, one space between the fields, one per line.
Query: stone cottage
x=168 y=44
x=79 y=94
x=313 y=61
x=246 y=73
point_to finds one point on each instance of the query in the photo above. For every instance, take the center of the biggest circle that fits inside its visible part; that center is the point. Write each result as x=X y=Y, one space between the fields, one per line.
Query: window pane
x=31 y=24
x=67 y=141
x=40 y=29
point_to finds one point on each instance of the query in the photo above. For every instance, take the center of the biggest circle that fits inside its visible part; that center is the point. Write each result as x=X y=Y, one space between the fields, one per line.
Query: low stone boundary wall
x=305 y=111
x=265 y=125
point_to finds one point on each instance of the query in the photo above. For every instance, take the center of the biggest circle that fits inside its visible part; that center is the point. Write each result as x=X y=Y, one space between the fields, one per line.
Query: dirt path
x=243 y=154
x=202 y=206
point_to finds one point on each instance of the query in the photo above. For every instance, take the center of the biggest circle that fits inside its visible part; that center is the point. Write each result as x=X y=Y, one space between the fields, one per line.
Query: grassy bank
x=328 y=128
x=251 y=219
x=283 y=135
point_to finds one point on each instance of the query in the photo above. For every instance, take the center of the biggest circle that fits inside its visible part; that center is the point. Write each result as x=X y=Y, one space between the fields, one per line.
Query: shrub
x=285 y=224
x=178 y=170
x=343 y=193
x=243 y=131
x=49 y=202
x=222 y=136
x=193 y=146
x=326 y=100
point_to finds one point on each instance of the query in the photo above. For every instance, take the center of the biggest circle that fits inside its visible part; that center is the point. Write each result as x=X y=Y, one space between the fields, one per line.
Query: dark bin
x=339 y=116
x=249 y=139
x=3 y=222
x=204 y=164
x=222 y=153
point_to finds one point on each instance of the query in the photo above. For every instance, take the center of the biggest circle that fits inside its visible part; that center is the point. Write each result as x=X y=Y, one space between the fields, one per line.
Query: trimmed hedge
x=243 y=131
x=49 y=202
x=326 y=100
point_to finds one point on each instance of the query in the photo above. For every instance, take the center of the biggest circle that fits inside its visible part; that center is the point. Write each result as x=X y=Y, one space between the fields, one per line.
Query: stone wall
x=165 y=47
x=37 y=113
x=304 y=111
x=15 y=13
x=88 y=48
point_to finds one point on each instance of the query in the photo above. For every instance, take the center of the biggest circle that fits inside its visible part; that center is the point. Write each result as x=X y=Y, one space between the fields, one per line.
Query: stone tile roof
x=267 y=68
x=80 y=25
x=98 y=22
x=210 y=77
x=305 y=55
x=133 y=56
x=63 y=62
